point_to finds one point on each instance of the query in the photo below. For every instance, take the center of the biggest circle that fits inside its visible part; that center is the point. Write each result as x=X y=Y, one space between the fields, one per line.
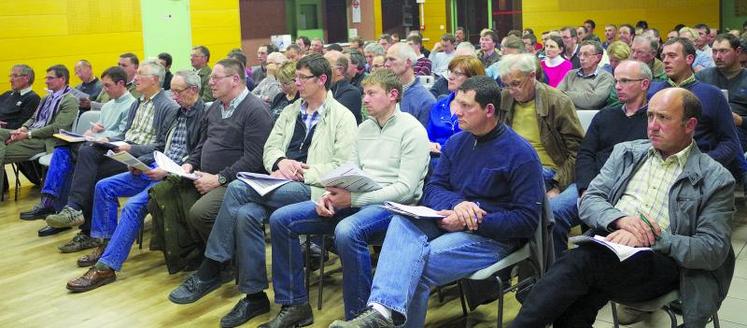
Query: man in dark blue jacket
x=487 y=185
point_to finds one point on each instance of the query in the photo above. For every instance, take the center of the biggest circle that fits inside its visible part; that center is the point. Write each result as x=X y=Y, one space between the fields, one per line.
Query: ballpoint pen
x=648 y=223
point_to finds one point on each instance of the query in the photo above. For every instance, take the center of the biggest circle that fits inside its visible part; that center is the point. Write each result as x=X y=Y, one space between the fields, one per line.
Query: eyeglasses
x=303 y=78
x=457 y=74
x=218 y=77
x=626 y=81
x=178 y=91
x=586 y=54
x=15 y=76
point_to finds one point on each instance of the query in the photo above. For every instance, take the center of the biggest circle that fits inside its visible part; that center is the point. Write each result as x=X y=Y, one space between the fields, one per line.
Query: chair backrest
x=426 y=80
x=585 y=116
x=85 y=120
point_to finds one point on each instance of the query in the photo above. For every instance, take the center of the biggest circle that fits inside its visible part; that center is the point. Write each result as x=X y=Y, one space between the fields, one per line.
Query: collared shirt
x=580 y=73
x=25 y=90
x=408 y=85
x=228 y=112
x=142 y=132
x=684 y=83
x=625 y=110
x=648 y=190
x=177 y=150
x=310 y=120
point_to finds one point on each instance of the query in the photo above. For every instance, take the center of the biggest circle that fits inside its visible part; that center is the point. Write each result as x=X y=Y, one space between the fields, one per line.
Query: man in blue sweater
x=488 y=185
x=416 y=99
x=715 y=133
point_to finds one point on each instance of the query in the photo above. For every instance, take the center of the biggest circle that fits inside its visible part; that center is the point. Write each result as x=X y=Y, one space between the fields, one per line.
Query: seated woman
x=555 y=65
x=269 y=87
x=285 y=75
x=443 y=123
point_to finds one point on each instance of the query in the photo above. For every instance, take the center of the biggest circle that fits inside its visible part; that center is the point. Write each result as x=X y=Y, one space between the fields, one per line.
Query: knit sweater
x=499 y=170
x=394 y=155
x=418 y=101
x=587 y=92
x=609 y=127
x=114 y=116
x=16 y=108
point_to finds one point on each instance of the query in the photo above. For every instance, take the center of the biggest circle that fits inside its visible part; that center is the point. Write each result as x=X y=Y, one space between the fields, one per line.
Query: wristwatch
x=222 y=180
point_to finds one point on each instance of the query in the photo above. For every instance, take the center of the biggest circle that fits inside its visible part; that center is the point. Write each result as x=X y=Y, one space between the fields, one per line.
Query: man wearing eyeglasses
x=233 y=134
x=344 y=92
x=547 y=119
x=311 y=137
x=588 y=86
x=56 y=111
x=199 y=58
x=19 y=103
x=148 y=121
x=644 y=48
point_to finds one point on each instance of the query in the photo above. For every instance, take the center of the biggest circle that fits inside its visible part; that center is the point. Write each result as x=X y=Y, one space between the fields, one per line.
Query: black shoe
x=291 y=316
x=315 y=256
x=368 y=319
x=244 y=311
x=193 y=289
x=38 y=212
x=48 y=231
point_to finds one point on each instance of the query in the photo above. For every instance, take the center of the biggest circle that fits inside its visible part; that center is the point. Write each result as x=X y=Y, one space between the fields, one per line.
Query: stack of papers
x=418 y=212
x=170 y=166
x=127 y=159
x=623 y=252
x=71 y=137
x=350 y=178
x=261 y=183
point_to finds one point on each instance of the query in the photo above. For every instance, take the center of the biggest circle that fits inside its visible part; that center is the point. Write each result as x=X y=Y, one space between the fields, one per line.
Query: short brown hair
x=384 y=78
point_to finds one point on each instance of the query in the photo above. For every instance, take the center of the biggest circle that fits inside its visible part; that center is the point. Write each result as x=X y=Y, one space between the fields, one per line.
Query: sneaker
x=291 y=316
x=67 y=217
x=368 y=319
x=193 y=289
x=79 y=243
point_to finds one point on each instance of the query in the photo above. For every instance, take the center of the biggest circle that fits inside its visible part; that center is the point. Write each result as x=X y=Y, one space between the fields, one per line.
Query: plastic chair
x=662 y=302
x=538 y=253
x=585 y=116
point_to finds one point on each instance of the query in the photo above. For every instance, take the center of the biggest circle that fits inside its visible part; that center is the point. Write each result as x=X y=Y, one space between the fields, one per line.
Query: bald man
x=344 y=92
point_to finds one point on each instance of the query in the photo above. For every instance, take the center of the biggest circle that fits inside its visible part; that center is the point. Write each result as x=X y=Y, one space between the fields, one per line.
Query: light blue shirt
x=114 y=116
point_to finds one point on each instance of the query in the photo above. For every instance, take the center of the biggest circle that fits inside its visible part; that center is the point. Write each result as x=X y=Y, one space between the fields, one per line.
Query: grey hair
x=525 y=63
x=374 y=48
x=26 y=70
x=405 y=52
x=467 y=46
x=155 y=69
x=191 y=79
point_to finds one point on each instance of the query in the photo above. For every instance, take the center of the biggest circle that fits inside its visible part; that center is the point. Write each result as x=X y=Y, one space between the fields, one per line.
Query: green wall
x=167 y=28
x=729 y=19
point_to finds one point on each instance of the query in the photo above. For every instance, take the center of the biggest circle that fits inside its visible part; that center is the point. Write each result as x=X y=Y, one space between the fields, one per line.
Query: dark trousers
x=92 y=165
x=583 y=280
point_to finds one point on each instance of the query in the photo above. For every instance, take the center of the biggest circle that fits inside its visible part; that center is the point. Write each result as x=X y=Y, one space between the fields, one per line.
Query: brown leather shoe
x=91 y=259
x=92 y=279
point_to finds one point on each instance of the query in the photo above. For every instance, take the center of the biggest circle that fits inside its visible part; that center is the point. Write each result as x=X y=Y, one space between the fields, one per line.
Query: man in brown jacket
x=547 y=118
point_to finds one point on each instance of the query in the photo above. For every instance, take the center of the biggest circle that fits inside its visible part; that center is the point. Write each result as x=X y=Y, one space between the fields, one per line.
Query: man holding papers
x=232 y=136
x=488 y=186
x=148 y=121
x=311 y=137
x=117 y=238
x=392 y=150
x=661 y=193
x=111 y=124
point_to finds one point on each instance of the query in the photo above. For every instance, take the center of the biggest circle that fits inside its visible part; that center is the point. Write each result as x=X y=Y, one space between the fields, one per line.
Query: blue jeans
x=104 y=220
x=565 y=210
x=418 y=256
x=354 y=230
x=59 y=176
x=238 y=229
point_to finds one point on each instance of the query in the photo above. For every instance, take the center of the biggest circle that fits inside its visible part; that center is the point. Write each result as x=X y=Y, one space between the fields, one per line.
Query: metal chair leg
x=500 y=301
x=615 y=321
x=461 y=298
x=307 y=260
x=16 y=172
x=321 y=273
x=672 y=317
x=716 y=324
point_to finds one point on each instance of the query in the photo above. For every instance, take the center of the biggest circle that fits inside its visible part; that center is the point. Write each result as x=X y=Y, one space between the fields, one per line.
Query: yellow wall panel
x=216 y=25
x=543 y=15
x=435 y=19
x=42 y=33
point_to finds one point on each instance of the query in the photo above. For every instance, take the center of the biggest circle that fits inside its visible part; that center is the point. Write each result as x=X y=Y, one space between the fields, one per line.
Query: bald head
x=673 y=114
x=339 y=63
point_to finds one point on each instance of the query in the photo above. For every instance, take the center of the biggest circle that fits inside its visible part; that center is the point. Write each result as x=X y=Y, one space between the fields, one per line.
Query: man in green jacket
x=56 y=111
x=311 y=137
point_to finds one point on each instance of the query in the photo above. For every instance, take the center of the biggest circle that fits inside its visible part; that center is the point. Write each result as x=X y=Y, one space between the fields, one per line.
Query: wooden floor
x=33 y=274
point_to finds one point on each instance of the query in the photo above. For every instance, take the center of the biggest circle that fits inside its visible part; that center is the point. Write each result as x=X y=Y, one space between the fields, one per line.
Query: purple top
x=557 y=73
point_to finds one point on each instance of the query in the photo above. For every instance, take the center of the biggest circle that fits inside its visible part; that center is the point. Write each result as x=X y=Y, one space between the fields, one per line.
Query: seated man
x=488 y=185
x=311 y=137
x=56 y=111
x=111 y=124
x=416 y=100
x=588 y=86
x=612 y=125
x=90 y=84
x=235 y=129
x=344 y=92
x=117 y=238
x=148 y=121
x=392 y=149
x=729 y=75
x=18 y=104
x=547 y=119
x=688 y=204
